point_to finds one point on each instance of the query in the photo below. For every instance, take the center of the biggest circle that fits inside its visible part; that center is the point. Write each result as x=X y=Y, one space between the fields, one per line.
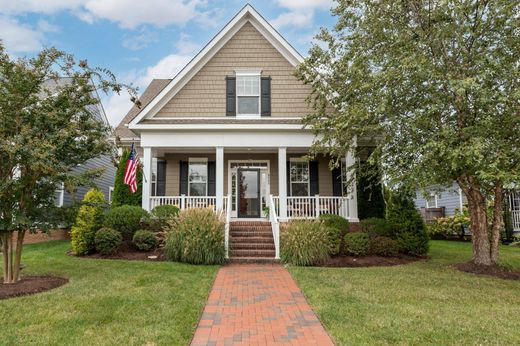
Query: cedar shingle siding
x=205 y=94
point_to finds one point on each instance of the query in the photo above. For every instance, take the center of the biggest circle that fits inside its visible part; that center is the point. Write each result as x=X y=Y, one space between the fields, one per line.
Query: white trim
x=110 y=194
x=221 y=126
x=61 y=191
x=228 y=139
x=247 y=14
x=299 y=159
x=223 y=117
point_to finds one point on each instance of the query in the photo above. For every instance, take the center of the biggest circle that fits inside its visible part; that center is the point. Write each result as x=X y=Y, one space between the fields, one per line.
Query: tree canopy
x=46 y=128
x=434 y=86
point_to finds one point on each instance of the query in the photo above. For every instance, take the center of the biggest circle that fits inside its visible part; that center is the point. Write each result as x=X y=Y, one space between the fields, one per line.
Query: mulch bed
x=369 y=261
x=31 y=285
x=495 y=271
x=127 y=252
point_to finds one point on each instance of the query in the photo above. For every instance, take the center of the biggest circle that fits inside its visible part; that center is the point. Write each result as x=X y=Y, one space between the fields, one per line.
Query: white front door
x=263 y=168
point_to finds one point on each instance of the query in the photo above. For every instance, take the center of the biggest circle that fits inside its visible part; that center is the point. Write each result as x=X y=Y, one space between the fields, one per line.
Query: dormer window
x=248 y=94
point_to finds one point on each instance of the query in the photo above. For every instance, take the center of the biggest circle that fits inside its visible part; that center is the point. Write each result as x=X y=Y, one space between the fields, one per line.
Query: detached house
x=226 y=133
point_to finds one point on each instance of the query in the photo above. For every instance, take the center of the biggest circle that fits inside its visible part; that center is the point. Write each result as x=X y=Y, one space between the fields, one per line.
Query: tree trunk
x=18 y=255
x=8 y=257
x=479 y=228
x=5 y=254
x=498 y=222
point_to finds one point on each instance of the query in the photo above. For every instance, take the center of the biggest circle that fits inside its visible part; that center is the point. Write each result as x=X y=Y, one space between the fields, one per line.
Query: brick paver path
x=258 y=304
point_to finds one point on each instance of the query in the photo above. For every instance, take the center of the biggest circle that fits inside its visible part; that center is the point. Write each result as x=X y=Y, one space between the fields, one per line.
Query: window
x=299 y=177
x=432 y=201
x=198 y=177
x=248 y=94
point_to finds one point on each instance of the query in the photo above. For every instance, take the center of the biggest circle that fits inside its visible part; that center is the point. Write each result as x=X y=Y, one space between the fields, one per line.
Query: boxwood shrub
x=144 y=240
x=383 y=246
x=376 y=227
x=160 y=215
x=357 y=244
x=337 y=227
x=304 y=242
x=196 y=236
x=126 y=219
x=107 y=241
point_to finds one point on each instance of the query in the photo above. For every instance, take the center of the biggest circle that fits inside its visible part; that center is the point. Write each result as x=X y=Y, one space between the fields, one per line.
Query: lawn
x=425 y=303
x=106 y=302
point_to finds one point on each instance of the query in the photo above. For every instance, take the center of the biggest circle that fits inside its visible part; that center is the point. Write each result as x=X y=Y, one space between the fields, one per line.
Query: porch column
x=219 y=177
x=352 y=191
x=282 y=181
x=147 y=177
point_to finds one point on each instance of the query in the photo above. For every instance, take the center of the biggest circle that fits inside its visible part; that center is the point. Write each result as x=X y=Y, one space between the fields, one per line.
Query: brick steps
x=251 y=242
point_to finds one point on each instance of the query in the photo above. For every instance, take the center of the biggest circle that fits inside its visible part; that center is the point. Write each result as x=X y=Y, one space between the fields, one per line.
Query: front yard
x=106 y=302
x=419 y=303
x=112 y=302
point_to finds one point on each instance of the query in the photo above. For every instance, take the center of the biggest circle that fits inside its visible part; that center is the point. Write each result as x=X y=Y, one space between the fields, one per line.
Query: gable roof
x=247 y=14
x=153 y=89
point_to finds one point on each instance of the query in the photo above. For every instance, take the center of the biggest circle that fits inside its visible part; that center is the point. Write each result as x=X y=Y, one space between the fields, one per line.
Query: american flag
x=130 y=177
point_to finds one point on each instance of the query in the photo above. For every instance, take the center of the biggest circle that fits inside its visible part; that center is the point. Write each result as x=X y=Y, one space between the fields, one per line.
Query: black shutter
x=231 y=95
x=314 y=178
x=336 y=182
x=183 y=177
x=161 y=178
x=289 y=178
x=211 y=178
x=265 y=86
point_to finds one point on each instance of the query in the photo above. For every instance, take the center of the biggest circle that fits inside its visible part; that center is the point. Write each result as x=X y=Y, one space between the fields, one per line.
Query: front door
x=248 y=184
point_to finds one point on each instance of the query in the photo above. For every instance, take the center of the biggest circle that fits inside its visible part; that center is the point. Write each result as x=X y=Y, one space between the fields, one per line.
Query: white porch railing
x=275 y=226
x=311 y=207
x=515 y=215
x=187 y=202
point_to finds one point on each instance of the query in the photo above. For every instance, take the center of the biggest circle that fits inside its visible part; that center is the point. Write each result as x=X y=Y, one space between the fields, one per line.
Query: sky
x=146 y=39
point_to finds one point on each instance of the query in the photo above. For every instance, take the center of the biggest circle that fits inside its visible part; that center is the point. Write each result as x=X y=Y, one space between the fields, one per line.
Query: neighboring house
x=226 y=133
x=447 y=201
x=106 y=181
x=451 y=200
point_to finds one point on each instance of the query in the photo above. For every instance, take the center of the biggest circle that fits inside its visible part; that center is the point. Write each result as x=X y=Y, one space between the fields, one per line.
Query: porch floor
x=252 y=304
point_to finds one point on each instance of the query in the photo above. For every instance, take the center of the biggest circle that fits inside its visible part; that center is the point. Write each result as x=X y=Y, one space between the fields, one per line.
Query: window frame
x=198 y=160
x=299 y=160
x=258 y=75
x=110 y=194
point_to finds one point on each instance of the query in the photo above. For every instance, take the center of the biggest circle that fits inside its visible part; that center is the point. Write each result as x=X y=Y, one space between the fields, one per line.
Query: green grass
x=424 y=303
x=106 y=302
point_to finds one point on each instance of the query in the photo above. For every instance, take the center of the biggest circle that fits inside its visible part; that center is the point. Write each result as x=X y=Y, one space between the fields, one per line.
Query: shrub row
x=95 y=229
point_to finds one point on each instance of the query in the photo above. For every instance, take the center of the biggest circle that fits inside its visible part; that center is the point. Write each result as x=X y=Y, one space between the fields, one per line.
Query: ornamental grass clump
x=304 y=242
x=196 y=236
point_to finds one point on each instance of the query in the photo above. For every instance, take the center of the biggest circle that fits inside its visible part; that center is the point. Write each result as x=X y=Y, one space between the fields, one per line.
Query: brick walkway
x=258 y=304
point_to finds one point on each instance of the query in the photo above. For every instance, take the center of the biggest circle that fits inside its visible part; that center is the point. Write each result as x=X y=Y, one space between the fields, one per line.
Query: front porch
x=251 y=184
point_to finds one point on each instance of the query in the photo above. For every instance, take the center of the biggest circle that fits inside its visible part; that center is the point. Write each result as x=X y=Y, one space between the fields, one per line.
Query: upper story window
x=198 y=177
x=248 y=94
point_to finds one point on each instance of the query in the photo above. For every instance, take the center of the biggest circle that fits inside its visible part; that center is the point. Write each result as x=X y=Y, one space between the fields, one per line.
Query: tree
x=434 y=86
x=46 y=129
x=371 y=202
x=122 y=194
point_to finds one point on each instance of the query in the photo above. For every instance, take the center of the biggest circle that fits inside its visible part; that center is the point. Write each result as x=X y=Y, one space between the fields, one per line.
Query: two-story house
x=226 y=132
